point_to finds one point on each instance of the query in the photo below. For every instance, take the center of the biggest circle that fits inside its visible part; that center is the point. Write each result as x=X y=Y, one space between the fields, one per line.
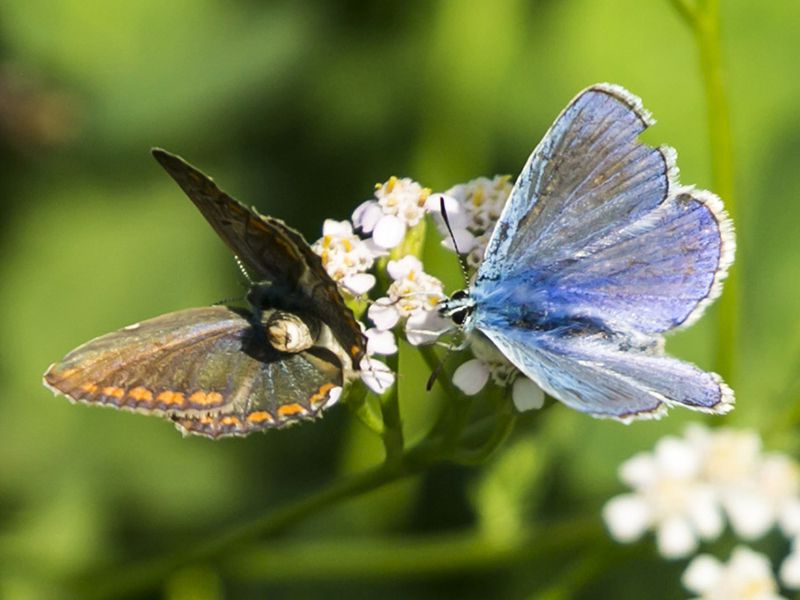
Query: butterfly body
x=598 y=252
x=219 y=370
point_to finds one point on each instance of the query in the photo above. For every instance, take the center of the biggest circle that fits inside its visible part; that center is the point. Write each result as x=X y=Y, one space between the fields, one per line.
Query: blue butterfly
x=597 y=253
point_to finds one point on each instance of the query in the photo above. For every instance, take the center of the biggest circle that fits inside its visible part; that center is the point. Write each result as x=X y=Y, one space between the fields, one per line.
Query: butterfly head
x=458 y=308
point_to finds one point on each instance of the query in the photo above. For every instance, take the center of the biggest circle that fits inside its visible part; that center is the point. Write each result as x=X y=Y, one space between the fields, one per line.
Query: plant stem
x=112 y=583
x=407 y=556
x=703 y=17
x=709 y=43
x=392 y=436
x=148 y=573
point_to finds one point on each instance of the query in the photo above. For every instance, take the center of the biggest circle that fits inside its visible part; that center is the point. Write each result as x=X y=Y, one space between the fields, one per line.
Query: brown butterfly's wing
x=272 y=251
x=207 y=368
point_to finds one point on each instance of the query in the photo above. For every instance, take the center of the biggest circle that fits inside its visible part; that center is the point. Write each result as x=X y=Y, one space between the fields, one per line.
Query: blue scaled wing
x=597 y=220
x=607 y=376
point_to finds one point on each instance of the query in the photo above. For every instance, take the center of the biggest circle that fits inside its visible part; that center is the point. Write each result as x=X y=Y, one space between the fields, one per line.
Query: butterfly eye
x=288 y=333
x=460 y=316
x=458 y=307
x=460 y=295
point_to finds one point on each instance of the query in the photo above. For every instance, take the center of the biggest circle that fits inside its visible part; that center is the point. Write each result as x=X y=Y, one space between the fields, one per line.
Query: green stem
x=704 y=20
x=709 y=42
x=359 y=404
x=686 y=10
x=392 y=436
x=406 y=556
x=148 y=573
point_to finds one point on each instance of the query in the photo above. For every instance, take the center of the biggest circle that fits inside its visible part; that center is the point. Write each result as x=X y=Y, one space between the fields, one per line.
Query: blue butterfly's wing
x=588 y=174
x=596 y=226
x=607 y=376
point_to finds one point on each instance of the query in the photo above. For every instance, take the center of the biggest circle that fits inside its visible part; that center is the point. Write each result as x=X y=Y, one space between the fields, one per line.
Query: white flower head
x=398 y=205
x=669 y=497
x=747 y=576
x=346 y=257
x=472 y=210
x=414 y=296
x=756 y=490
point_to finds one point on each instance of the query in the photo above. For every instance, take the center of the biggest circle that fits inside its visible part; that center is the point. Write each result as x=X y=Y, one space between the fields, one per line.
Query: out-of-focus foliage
x=298 y=108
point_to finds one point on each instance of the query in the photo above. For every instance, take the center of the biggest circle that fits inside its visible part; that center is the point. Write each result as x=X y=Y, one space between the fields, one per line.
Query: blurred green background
x=299 y=108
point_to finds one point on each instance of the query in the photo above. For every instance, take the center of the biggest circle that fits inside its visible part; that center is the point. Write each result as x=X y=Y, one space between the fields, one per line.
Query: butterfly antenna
x=461 y=260
x=243 y=270
x=438 y=370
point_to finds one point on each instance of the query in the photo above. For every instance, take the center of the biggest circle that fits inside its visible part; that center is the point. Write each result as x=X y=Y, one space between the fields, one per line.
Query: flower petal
x=751 y=515
x=464 y=240
x=380 y=342
x=627 y=517
x=702 y=574
x=675 y=538
x=456 y=214
x=790 y=571
x=471 y=377
x=527 y=395
x=402 y=268
x=376 y=375
x=639 y=471
x=337 y=228
x=425 y=327
x=366 y=215
x=333 y=397
x=383 y=313
x=389 y=231
x=359 y=284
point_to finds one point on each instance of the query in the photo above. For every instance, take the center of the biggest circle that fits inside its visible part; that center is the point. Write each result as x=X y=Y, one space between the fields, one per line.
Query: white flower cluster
x=412 y=298
x=472 y=210
x=346 y=257
x=688 y=487
x=398 y=205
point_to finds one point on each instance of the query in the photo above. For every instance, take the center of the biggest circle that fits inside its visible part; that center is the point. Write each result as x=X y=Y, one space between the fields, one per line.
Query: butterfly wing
x=597 y=224
x=271 y=251
x=205 y=366
x=610 y=377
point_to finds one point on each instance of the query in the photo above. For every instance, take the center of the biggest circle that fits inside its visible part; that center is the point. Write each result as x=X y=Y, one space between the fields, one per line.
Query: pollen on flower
x=345 y=256
x=414 y=296
x=482 y=201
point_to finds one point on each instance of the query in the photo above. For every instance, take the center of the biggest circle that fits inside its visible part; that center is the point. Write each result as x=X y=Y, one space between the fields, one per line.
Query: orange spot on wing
x=113 y=391
x=230 y=420
x=290 y=410
x=141 y=394
x=260 y=416
x=322 y=394
x=169 y=397
x=355 y=350
x=206 y=398
x=91 y=388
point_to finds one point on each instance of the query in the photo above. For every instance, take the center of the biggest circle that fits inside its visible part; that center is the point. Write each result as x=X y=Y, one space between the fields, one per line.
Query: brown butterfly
x=220 y=370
